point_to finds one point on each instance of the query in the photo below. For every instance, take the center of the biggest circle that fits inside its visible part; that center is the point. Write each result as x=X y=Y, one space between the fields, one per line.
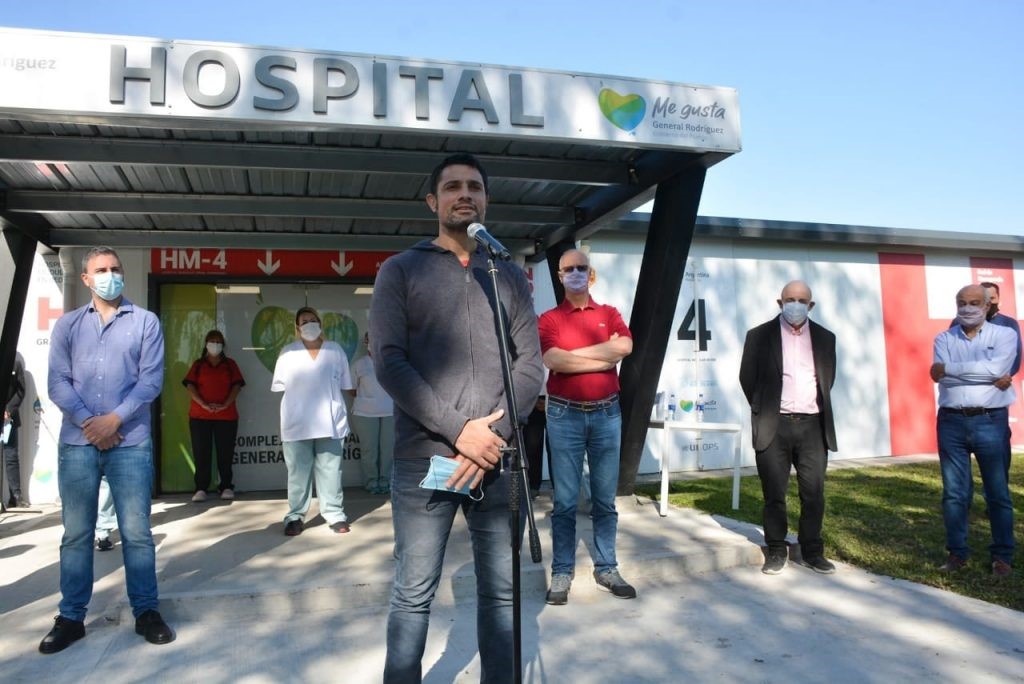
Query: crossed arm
x=994 y=370
x=593 y=359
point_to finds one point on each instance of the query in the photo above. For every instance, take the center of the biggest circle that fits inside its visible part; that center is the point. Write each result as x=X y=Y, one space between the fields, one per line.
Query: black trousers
x=799 y=442
x=205 y=435
x=533 y=436
x=12 y=464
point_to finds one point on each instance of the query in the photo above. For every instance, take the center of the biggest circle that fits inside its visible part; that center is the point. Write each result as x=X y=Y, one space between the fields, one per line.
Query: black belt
x=596 y=405
x=799 y=416
x=969 y=410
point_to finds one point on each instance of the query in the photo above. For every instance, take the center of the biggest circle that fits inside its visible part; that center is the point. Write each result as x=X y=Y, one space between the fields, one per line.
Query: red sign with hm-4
x=262 y=263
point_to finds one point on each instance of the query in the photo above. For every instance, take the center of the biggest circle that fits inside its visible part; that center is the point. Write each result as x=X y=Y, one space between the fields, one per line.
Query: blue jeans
x=571 y=434
x=106 y=520
x=322 y=458
x=129 y=471
x=422 y=520
x=376 y=446
x=988 y=437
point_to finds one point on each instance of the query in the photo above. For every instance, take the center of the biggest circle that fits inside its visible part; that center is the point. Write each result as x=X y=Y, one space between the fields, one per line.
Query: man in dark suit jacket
x=15 y=394
x=787 y=372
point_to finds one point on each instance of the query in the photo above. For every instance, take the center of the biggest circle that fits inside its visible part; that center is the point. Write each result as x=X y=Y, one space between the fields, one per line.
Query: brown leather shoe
x=954 y=563
x=1001 y=569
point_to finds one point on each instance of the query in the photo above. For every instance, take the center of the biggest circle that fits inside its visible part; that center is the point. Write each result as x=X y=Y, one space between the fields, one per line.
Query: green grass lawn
x=887 y=520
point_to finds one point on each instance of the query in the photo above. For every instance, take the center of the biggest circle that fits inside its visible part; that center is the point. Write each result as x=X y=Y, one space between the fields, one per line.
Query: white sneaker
x=228 y=494
x=199 y=496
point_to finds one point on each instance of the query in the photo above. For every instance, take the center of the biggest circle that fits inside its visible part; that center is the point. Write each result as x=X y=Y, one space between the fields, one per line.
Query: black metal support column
x=17 y=251
x=661 y=275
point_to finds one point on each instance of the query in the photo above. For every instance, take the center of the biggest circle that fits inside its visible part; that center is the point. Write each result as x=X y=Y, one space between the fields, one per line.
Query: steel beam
x=81 y=237
x=149 y=203
x=282 y=157
x=17 y=251
x=673 y=220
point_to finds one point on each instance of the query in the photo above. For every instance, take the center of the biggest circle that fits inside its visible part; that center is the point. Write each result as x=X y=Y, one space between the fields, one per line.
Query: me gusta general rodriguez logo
x=628 y=111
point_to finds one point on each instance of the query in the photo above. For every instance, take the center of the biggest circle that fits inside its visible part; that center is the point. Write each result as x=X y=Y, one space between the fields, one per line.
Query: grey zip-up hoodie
x=435 y=349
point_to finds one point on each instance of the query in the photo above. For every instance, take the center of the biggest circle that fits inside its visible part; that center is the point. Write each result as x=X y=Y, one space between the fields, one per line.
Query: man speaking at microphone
x=436 y=353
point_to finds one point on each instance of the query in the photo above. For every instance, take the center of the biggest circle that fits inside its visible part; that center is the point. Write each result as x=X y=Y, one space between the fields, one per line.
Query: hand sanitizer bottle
x=671 y=413
x=700 y=408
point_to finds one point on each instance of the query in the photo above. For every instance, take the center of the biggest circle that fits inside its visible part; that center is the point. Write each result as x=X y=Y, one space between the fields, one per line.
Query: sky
x=902 y=114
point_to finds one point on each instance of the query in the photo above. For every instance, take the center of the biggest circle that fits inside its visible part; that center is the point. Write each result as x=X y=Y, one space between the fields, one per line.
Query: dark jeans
x=206 y=434
x=800 y=443
x=12 y=465
x=422 y=520
x=987 y=436
x=533 y=436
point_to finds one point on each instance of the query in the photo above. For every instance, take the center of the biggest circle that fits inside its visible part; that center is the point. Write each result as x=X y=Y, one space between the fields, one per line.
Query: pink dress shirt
x=799 y=381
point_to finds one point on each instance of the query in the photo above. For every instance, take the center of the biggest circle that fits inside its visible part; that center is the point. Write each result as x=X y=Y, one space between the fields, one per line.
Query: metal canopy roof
x=135 y=186
x=144 y=142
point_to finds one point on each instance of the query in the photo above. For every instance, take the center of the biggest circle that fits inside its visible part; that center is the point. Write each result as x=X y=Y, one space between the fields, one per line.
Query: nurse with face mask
x=213 y=382
x=312 y=373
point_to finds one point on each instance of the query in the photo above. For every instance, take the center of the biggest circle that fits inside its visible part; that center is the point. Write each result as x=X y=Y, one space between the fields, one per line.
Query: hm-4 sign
x=263 y=263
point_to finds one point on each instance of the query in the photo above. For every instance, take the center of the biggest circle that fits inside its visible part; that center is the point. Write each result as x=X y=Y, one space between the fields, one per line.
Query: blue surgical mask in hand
x=442 y=468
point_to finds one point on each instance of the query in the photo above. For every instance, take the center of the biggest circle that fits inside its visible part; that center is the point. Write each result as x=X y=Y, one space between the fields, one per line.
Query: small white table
x=667 y=426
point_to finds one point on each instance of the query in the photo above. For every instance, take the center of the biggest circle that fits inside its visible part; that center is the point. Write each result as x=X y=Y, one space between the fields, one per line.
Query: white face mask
x=576 y=281
x=795 y=313
x=970 y=316
x=214 y=348
x=310 y=331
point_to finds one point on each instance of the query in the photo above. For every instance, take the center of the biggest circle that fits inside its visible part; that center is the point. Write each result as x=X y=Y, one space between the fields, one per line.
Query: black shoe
x=293 y=528
x=775 y=562
x=819 y=564
x=64 y=633
x=104 y=544
x=153 y=627
x=20 y=502
x=341 y=527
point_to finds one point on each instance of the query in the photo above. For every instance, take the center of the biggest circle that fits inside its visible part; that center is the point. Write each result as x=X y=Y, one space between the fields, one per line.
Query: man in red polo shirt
x=582 y=342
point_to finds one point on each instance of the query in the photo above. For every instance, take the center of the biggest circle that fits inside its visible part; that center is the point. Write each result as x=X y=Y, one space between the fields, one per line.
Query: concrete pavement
x=251 y=605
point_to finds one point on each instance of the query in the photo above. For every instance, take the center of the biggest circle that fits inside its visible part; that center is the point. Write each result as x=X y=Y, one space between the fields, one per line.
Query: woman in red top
x=214 y=382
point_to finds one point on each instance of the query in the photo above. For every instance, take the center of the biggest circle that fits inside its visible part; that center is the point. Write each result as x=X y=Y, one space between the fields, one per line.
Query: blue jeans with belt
x=422 y=520
x=987 y=436
x=572 y=433
x=129 y=472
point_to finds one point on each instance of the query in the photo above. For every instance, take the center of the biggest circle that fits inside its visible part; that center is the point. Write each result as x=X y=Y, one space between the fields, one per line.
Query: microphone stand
x=518 y=480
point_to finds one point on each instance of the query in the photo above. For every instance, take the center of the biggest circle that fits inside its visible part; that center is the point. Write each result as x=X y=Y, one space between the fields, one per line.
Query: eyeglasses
x=579 y=268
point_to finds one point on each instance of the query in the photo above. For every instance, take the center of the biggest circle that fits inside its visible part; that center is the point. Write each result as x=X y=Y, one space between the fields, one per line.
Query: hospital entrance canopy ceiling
x=141 y=142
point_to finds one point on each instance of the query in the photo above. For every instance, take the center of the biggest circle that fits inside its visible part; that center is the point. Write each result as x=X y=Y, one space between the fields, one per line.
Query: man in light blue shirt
x=972 y=363
x=106 y=368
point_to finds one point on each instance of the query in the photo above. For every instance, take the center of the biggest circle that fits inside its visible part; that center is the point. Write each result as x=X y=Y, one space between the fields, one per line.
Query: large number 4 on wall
x=702 y=333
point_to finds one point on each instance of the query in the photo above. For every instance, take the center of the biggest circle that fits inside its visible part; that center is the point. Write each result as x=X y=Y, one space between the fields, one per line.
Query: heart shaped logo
x=274 y=327
x=625 y=111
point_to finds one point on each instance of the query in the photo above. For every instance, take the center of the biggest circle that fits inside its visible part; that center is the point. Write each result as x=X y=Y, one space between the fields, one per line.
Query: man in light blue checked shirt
x=972 y=363
x=106 y=368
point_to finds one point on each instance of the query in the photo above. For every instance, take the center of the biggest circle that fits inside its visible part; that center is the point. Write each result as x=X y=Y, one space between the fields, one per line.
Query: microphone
x=488 y=241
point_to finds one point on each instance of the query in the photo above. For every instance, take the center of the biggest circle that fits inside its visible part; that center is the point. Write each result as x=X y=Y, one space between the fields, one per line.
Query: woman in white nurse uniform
x=312 y=372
